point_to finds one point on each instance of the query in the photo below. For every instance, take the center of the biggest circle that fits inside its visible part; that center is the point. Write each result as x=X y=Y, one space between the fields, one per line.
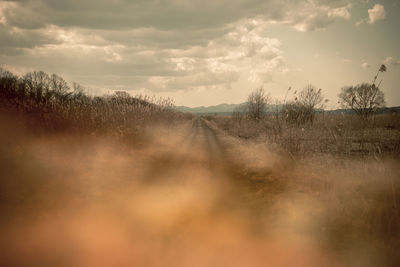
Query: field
x=124 y=181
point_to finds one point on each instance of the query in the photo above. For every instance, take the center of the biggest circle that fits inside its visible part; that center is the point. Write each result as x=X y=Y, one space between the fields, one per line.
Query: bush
x=256 y=103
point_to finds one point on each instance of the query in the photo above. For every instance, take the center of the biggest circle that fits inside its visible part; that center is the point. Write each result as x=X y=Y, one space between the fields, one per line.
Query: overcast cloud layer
x=163 y=45
x=160 y=45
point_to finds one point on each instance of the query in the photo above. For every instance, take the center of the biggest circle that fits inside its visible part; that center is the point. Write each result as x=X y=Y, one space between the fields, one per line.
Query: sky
x=207 y=52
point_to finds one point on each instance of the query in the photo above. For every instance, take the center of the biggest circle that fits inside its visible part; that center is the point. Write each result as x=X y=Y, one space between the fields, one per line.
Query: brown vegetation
x=336 y=134
x=49 y=104
x=127 y=181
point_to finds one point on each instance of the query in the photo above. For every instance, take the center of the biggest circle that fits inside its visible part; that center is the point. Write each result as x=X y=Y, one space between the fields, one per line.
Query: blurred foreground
x=118 y=180
x=190 y=195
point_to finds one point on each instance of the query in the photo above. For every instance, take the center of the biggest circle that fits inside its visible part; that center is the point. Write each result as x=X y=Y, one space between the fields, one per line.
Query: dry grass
x=43 y=107
x=349 y=203
x=78 y=200
x=335 y=134
x=123 y=181
x=341 y=172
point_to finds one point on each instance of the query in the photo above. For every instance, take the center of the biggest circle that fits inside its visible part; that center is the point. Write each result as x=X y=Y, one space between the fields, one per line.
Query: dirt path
x=198 y=148
x=200 y=153
x=184 y=199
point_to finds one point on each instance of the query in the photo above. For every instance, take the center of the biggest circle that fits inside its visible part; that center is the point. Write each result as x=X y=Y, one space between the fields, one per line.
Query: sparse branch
x=363 y=99
x=256 y=103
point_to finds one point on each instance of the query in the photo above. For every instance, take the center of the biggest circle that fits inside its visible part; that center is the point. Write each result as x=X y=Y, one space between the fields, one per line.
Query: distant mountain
x=221 y=108
x=227 y=109
x=378 y=111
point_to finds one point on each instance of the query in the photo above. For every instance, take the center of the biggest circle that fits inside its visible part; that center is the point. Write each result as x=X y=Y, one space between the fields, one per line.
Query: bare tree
x=58 y=84
x=256 y=103
x=364 y=99
x=37 y=84
x=302 y=109
x=10 y=87
x=122 y=94
x=310 y=98
x=78 y=89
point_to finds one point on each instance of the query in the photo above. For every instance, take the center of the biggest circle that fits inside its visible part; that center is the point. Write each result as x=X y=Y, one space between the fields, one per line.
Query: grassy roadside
x=344 y=198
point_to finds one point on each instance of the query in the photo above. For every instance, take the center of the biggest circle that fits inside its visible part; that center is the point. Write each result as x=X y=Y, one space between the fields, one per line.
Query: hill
x=227 y=109
x=221 y=108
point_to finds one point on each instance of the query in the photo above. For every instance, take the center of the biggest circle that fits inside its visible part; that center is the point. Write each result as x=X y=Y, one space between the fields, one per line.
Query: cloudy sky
x=205 y=52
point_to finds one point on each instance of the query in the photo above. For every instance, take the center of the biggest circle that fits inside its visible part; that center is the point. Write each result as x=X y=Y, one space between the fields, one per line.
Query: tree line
x=53 y=102
x=363 y=99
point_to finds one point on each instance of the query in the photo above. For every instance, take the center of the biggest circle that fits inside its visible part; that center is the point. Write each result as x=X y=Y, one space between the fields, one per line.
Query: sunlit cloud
x=313 y=16
x=365 y=65
x=244 y=50
x=174 y=50
x=392 y=61
x=376 y=13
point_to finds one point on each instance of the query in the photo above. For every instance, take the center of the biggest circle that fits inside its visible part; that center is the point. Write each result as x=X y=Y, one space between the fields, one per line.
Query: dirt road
x=198 y=148
x=199 y=154
x=189 y=196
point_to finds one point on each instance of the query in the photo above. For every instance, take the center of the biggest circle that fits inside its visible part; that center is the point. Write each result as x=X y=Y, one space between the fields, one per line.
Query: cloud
x=313 y=16
x=170 y=14
x=158 y=45
x=376 y=13
x=365 y=65
x=392 y=61
x=244 y=51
